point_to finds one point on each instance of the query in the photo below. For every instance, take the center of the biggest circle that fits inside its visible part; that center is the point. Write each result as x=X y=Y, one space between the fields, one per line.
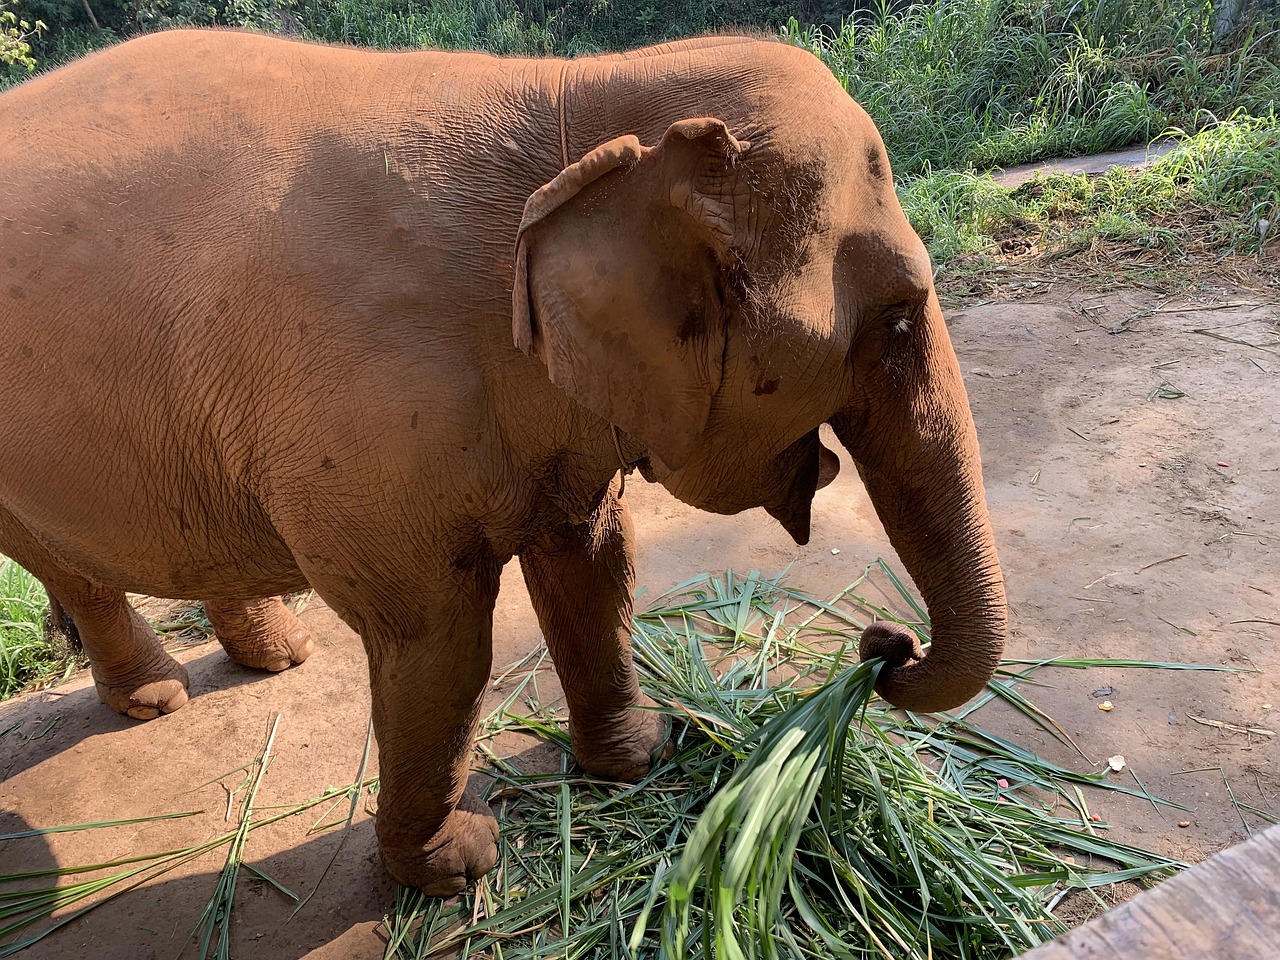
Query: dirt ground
x=1133 y=479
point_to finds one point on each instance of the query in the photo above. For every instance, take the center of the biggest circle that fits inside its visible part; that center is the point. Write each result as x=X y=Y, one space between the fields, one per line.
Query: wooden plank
x=1226 y=908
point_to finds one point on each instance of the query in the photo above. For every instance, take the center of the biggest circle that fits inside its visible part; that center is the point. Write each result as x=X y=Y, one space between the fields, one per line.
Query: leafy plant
x=982 y=83
x=15 y=38
x=24 y=655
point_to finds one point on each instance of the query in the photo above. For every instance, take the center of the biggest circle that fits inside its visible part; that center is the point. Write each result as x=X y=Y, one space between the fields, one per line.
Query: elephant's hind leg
x=580 y=581
x=262 y=634
x=131 y=671
x=133 y=674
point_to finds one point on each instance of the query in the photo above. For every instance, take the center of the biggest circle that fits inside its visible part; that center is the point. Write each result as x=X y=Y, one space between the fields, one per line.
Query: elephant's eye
x=897 y=317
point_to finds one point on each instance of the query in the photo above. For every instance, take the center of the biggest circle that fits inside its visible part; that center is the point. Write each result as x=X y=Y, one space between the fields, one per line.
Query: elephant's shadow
x=159 y=921
x=38 y=726
x=60 y=735
x=348 y=896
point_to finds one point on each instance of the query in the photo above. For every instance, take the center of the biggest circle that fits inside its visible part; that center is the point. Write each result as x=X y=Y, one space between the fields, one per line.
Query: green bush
x=498 y=26
x=72 y=28
x=544 y=27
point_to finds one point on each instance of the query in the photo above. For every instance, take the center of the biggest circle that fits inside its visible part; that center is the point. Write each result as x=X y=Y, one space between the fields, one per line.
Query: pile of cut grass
x=793 y=819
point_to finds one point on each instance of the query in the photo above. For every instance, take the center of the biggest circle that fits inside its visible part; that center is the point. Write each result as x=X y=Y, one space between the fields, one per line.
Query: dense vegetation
x=502 y=26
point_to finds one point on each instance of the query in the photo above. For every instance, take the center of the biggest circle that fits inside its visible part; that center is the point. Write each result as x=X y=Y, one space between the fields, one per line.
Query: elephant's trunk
x=910 y=431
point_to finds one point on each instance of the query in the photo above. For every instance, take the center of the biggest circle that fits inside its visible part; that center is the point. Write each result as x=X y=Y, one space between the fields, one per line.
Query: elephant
x=280 y=314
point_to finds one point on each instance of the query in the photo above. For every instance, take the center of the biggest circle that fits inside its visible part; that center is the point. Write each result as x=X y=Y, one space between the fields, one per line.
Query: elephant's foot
x=144 y=693
x=465 y=848
x=262 y=634
x=625 y=748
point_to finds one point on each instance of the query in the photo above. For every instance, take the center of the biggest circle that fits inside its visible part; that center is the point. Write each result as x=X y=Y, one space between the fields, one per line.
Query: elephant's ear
x=618 y=280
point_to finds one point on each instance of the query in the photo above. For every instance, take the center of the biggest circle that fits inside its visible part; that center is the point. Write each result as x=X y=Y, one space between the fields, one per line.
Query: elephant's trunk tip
x=894 y=644
x=906 y=681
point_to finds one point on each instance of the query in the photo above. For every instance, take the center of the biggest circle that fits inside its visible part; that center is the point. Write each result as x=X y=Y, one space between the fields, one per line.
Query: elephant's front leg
x=580 y=580
x=428 y=671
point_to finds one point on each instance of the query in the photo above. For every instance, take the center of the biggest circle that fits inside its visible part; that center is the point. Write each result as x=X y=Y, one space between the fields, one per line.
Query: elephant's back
x=232 y=109
x=168 y=167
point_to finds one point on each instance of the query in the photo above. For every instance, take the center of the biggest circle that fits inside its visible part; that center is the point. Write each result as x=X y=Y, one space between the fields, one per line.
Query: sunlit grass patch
x=1215 y=195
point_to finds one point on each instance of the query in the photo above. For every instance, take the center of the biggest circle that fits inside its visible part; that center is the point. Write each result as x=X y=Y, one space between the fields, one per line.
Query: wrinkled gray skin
x=278 y=314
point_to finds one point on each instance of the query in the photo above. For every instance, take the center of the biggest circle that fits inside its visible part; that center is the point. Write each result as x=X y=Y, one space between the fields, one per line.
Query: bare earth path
x=1132 y=523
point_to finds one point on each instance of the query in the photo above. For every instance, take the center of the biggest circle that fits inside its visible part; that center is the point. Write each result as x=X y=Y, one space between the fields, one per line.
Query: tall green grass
x=983 y=83
x=25 y=657
x=496 y=26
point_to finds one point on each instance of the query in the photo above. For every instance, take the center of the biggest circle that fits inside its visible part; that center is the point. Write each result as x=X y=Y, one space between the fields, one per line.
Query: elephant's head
x=718 y=299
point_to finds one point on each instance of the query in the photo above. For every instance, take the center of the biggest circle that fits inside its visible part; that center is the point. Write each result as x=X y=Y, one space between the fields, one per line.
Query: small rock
x=1102 y=692
x=835 y=551
x=1184 y=823
x=1173 y=719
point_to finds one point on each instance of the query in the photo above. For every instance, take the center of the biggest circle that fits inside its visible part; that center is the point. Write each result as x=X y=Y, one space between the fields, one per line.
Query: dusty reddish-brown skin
x=279 y=314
